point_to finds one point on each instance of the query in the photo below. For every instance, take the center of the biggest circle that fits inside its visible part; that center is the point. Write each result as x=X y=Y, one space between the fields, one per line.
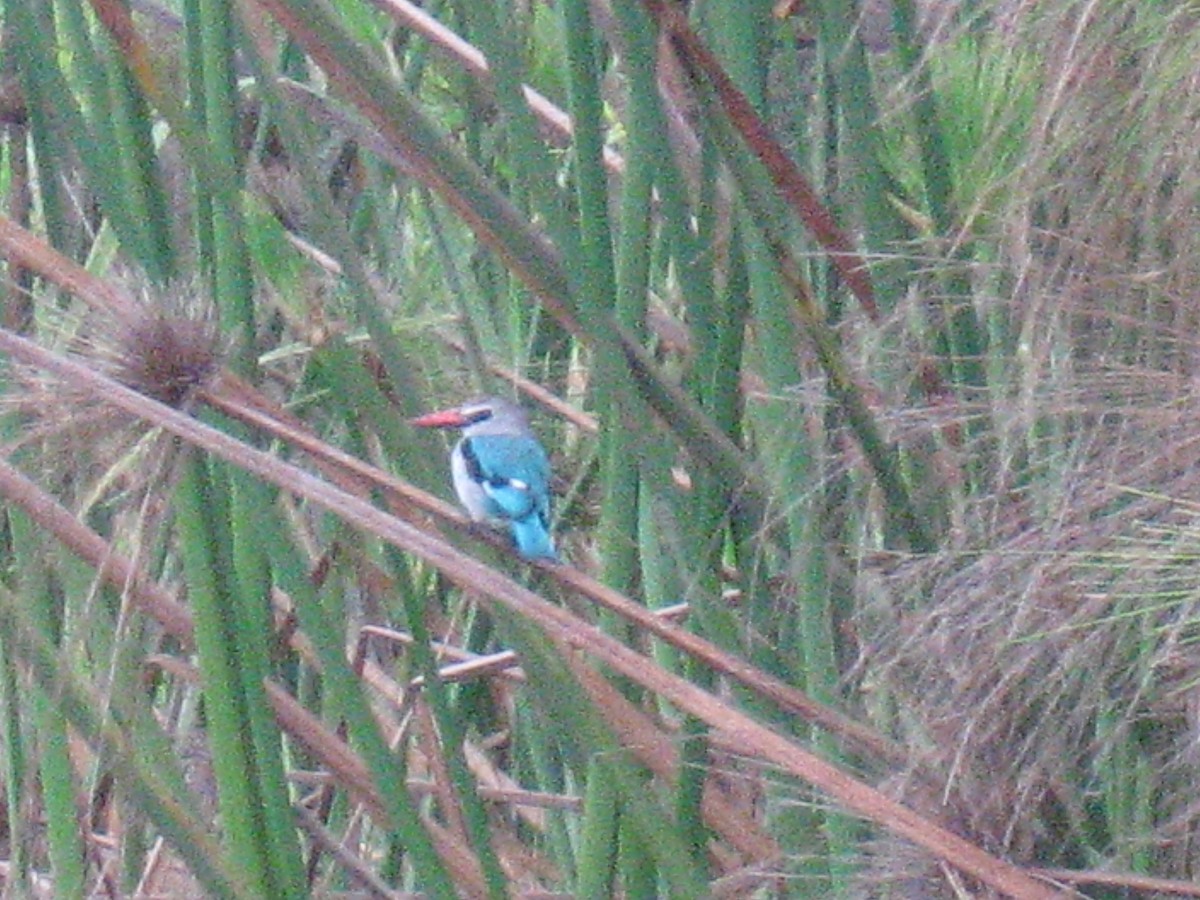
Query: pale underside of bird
x=500 y=471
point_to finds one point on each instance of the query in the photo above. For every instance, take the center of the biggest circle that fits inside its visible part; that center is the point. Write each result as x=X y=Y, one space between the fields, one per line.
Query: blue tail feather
x=532 y=539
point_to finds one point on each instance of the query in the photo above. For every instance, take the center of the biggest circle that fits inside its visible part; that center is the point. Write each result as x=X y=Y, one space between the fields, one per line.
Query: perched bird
x=501 y=473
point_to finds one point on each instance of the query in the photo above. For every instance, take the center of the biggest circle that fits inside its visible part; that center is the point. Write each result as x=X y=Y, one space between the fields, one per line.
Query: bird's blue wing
x=514 y=473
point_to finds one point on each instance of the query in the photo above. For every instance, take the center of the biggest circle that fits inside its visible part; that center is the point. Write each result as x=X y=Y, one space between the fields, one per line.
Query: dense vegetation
x=863 y=342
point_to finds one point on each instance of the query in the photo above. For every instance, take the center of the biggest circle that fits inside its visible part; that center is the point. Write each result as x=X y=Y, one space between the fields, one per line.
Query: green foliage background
x=862 y=339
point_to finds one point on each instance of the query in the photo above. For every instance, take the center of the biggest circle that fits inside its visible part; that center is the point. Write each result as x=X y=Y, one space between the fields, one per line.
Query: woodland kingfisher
x=500 y=471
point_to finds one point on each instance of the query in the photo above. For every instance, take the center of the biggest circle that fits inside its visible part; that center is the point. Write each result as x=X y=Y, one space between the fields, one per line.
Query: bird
x=500 y=471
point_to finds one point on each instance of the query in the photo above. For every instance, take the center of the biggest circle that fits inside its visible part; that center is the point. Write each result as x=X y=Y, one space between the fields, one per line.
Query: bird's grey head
x=493 y=415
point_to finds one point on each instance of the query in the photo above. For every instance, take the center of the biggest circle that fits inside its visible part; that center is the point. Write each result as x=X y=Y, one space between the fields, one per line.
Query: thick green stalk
x=527 y=156
x=962 y=338
x=134 y=765
x=15 y=763
x=132 y=128
x=598 y=834
x=251 y=507
x=341 y=373
x=57 y=778
x=202 y=517
x=328 y=227
x=864 y=187
x=88 y=128
x=593 y=273
x=768 y=219
x=233 y=285
x=203 y=221
x=639 y=874
x=594 y=276
x=26 y=30
x=343 y=695
x=540 y=764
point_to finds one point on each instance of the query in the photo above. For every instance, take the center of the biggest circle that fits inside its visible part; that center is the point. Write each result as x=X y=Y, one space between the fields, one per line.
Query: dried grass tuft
x=1044 y=669
x=167 y=348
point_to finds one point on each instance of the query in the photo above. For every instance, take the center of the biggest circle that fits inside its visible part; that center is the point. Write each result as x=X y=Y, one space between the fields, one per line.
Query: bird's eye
x=476 y=416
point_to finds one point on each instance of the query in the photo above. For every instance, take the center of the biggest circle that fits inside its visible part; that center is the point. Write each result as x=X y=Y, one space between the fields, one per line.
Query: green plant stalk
x=701 y=517
x=662 y=584
x=95 y=142
x=132 y=127
x=644 y=158
x=34 y=67
x=967 y=337
x=617 y=528
x=700 y=536
x=165 y=808
x=1128 y=805
x=693 y=775
x=202 y=513
x=527 y=153
x=766 y=218
x=865 y=185
x=59 y=787
x=750 y=538
x=452 y=738
x=1144 y=803
x=596 y=866
x=250 y=506
x=57 y=779
x=196 y=125
x=233 y=287
x=15 y=763
x=594 y=277
x=780 y=428
x=639 y=874
x=343 y=694
x=472 y=345
x=792 y=468
x=540 y=764
x=740 y=41
x=723 y=394
x=621 y=477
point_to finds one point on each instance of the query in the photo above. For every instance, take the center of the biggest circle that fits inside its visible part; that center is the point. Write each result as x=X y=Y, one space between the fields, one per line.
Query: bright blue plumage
x=501 y=473
x=513 y=471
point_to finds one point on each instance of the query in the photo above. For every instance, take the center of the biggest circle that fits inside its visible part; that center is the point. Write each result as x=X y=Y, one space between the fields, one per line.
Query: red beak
x=447 y=418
